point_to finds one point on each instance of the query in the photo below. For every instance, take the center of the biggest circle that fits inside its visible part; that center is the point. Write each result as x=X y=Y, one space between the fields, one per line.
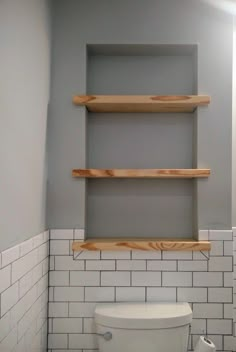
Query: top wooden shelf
x=141 y=103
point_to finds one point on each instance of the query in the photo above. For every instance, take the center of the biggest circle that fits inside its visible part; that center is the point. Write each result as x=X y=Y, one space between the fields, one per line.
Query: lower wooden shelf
x=147 y=244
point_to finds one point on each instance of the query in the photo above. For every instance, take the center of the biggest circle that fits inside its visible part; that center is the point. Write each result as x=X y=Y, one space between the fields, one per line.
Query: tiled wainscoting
x=24 y=296
x=234 y=315
x=78 y=283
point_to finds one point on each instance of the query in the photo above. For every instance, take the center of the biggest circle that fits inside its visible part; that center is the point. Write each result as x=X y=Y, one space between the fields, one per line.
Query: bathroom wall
x=234 y=130
x=24 y=295
x=25 y=64
x=77 y=23
x=79 y=282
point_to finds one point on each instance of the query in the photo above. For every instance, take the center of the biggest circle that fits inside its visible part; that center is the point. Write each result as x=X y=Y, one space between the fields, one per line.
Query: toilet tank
x=143 y=327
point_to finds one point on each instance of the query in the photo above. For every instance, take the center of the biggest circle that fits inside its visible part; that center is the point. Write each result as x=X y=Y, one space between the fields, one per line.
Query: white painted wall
x=24 y=94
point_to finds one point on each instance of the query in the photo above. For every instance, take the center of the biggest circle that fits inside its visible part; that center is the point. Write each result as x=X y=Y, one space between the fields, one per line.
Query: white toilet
x=143 y=327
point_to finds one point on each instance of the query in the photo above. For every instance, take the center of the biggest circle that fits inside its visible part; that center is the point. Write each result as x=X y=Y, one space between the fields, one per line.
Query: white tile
x=59 y=247
x=130 y=294
x=59 y=278
x=51 y=262
x=5 y=278
x=84 y=278
x=29 y=320
x=229 y=343
x=203 y=255
x=38 y=240
x=192 y=265
x=100 y=265
x=5 y=326
x=89 y=326
x=57 y=341
x=18 y=311
x=220 y=264
x=217 y=248
x=203 y=235
x=207 y=310
x=67 y=325
x=176 y=279
x=43 y=251
x=92 y=255
x=207 y=279
x=26 y=247
x=177 y=255
x=10 y=341
x=162 y=265
x=220 y=235
x=84 y=341
x=161 y=294
x=9 y=298
x=131 y=265
x=50 y=320
x=79 y=234
x=191 y=294
x=68 y=263
x=10 y=255
x=198 y=326
x=219 y=294
x=219 y=326
x=58 y=310
x=61 y=234
x=23 y=265
x=82 y=309
x=51 y=294
x=116 y=255
x=115 y=278
x=148 y=278
x=46 y=236
x=99 y=294
x=228 y=311
x=146 y=255
x=28 y=280
x=70 y=294
x=228 y=247
x=42 y=285
x=45 y=265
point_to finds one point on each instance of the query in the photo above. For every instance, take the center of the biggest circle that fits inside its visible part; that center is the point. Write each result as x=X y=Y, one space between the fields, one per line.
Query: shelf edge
x=144 y=245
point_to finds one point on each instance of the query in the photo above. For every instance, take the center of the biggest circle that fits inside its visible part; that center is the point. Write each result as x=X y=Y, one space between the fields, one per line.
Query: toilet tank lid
x=143 y=315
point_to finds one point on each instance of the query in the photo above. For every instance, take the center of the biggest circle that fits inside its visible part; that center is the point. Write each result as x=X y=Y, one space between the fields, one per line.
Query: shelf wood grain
x=141 y=173
x=141 y=103
x=149 y=244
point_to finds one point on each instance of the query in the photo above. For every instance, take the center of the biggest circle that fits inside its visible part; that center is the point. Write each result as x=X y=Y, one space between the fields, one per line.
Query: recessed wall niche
x=140 y=207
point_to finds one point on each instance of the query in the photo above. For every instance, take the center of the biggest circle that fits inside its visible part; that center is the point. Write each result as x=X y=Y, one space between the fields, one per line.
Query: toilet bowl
x=143 y=327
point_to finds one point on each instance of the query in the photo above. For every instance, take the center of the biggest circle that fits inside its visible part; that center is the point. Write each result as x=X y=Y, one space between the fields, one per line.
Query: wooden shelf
x=141 y=173
x=141 y=103
x=149 y=244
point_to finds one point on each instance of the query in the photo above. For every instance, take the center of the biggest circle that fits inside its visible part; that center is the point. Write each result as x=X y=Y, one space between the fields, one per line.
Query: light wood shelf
x=141 y=103
x=141 y=173
x=148 y=244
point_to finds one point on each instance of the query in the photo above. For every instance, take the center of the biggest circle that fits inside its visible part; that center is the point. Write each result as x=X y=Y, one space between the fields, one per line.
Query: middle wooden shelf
x=141 y=173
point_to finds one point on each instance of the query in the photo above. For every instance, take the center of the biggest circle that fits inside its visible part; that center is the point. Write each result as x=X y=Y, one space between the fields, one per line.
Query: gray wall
x=77 y=23
x=234 y=133
x=25 y=65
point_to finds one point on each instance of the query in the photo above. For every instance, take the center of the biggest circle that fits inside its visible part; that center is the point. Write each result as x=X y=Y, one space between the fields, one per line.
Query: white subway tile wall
x=234 y=287
x=24 y=295
x=81 y=280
